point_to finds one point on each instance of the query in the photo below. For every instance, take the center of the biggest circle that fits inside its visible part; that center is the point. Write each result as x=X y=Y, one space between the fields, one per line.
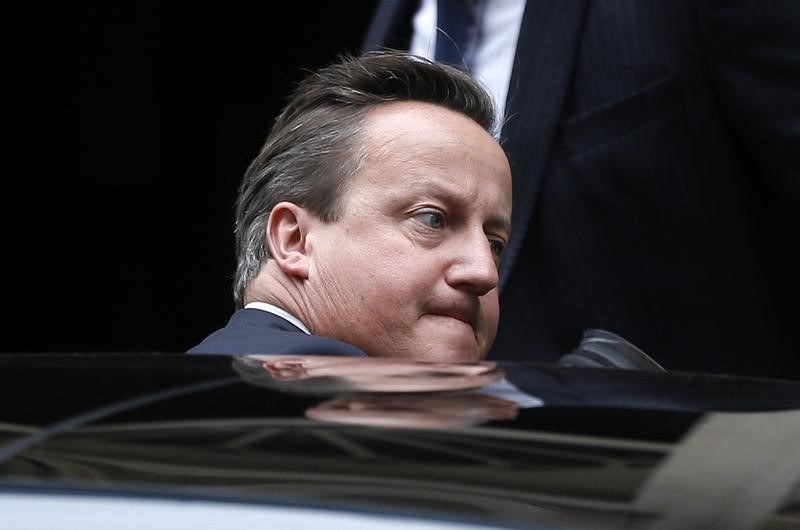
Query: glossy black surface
x=591 y=455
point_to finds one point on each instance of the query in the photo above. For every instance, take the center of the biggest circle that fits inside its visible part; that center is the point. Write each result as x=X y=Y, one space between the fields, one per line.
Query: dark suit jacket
x=253 y=331
x=655 y=148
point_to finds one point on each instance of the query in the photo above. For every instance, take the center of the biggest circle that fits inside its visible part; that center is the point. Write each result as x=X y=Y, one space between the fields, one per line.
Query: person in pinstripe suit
x=655 y=153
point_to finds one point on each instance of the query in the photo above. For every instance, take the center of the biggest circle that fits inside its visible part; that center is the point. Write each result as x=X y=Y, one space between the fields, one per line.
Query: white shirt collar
x=269 y=308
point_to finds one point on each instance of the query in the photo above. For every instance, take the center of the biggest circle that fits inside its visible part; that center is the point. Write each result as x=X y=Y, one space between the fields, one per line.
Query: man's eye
x=497 y=247
x=431 y=219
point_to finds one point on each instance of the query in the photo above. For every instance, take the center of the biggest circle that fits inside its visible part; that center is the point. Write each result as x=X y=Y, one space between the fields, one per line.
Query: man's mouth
x=463 y=312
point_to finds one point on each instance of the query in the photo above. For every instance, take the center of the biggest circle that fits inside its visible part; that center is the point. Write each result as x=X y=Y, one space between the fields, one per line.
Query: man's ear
x=286 y=236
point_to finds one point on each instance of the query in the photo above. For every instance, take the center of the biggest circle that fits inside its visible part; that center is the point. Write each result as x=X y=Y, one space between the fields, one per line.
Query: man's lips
x=467 y=313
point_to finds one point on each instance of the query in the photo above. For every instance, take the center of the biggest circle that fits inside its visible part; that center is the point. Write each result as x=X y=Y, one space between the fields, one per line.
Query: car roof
x=540 y=444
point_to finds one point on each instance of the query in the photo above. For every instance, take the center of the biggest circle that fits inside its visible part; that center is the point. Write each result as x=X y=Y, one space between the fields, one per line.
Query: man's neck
x=275 y=293
x=275 y=310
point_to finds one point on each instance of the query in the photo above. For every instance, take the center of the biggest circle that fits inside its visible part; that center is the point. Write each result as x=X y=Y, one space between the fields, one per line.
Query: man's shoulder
x=252 y=331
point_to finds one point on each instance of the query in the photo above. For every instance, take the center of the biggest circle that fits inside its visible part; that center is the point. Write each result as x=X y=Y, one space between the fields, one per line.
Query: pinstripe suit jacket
x=655 y=148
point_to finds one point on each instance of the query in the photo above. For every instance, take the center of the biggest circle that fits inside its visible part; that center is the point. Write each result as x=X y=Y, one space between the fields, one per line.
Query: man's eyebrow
x=503 y=223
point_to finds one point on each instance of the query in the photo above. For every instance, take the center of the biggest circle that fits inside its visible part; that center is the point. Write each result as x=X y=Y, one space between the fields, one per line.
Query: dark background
x=148 y=114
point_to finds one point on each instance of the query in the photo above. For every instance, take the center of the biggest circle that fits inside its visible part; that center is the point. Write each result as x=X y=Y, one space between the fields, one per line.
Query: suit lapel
x=540 y=79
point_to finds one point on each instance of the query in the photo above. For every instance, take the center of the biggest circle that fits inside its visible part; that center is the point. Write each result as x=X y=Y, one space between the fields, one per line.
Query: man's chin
x=439 y=340
x=452 y=350
x=451 y=340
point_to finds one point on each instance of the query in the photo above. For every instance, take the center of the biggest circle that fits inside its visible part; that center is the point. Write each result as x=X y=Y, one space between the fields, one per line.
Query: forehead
x=416 y=145
x=390 y=127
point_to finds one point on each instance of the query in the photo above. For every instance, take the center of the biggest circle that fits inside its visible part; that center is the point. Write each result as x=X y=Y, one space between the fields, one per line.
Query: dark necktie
x=456 y=32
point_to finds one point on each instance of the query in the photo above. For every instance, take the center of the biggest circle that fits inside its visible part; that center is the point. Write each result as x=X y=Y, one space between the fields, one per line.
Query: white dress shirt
x=499 y=22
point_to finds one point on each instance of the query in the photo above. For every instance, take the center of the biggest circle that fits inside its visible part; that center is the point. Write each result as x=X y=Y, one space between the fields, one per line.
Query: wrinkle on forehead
x=399 y=124
x=422 y=135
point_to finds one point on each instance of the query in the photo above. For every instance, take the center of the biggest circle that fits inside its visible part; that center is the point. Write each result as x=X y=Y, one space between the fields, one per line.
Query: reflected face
x=411 y=268
x=415 y=411
x=372 y=374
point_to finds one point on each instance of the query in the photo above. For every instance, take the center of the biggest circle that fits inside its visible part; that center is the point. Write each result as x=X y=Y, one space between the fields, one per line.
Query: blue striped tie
x=456 y=27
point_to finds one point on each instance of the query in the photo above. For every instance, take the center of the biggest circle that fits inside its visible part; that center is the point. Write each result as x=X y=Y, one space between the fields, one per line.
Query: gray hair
x=317 y=142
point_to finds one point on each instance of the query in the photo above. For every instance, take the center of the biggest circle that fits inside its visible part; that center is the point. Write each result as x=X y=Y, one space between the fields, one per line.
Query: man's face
x=427 y=411
x=411 y=268
x=370 y=374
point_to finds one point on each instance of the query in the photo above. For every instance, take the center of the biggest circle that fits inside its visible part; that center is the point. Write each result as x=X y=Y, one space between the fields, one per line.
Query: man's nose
x=473 y=266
